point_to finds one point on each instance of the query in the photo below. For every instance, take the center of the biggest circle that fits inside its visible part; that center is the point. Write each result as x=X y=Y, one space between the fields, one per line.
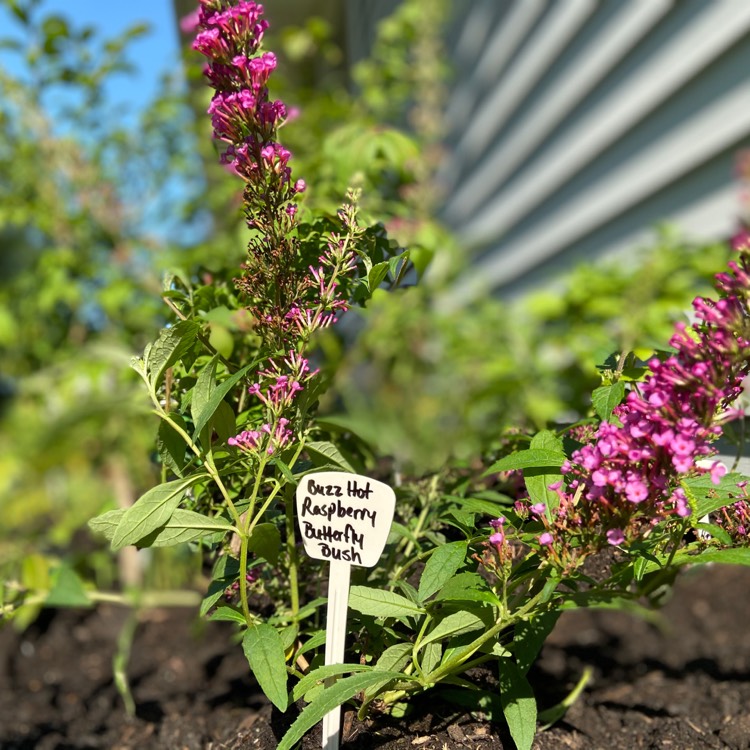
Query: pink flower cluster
x=337 y=261
x=288 y=296
x=629 y=473
x=276 y=389
x=241 y=113
x=498 y=537
x=269 y=438
x=735 y=520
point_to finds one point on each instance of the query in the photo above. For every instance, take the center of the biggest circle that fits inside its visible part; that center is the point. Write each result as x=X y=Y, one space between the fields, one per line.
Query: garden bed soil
x=679 y=685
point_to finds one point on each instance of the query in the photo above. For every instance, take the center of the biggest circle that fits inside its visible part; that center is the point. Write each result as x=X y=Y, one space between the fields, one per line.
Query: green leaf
x=55 y=26
x=324 y=453
x=171 y=445
x=399 y=530
x=457 y=623
x=709 y=497
x=150 y=511
x=185 y=526
x=19 y=11
x=222 y=423
x=226 y=613
x=479 y=505
x=688 y=556
x=546 y=440
x=531 y=458
x=319 y=674
x=67 y=590
x=106 y=524
x=289 y=635
x=609 y=600
x=376 y=275
x=316 y=639
x=606 y=398
x=172 y=344
x=441 y=567
x=737 y=556
x=476 y=701
x=408 y=591
x=530 y=636
x=210 y=406
x=204 y=387
x=431 y=655
x=225 y=571
x=394 y=658
x=285 y=470
x=721 y=535
x=538 y=479
x=265 y=654
x=331 y=697
x=308 y=609
x=381 y=603
x=461 y=519
x=467 y=587
x=139 y=364
x=265 y=541
x=397 y=263
x=519 y=704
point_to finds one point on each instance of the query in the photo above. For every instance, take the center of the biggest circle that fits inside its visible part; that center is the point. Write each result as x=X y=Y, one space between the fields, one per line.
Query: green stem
x=244 y=539
x=417 y=531
x=292 y=556
x=246 y=526
x=452 y=665
x=476 y=662
x=457 y=663
x=290 y=541
x=207 y=460
x=250 y=522
x=417 y=644
x=144 y=600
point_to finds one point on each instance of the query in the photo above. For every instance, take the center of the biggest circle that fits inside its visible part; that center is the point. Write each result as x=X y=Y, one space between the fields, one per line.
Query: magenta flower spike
x=626 y=479
x=288 y=297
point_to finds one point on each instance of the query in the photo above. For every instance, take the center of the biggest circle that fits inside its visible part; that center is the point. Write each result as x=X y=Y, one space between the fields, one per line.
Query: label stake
x=344 y=519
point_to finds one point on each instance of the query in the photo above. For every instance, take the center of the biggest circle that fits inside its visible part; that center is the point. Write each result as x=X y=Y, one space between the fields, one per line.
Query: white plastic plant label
x=344 y=519
x=344 y=516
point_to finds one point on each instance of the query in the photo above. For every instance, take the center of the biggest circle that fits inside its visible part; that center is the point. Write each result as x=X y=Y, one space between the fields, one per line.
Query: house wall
x=576 y=126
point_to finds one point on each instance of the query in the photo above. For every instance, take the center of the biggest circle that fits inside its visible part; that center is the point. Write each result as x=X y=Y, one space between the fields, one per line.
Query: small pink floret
x=615 y=537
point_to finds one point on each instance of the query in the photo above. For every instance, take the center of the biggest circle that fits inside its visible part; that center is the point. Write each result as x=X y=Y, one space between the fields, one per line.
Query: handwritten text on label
x=353 y=526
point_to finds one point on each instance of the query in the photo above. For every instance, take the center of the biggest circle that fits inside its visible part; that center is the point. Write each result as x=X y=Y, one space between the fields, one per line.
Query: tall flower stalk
x=290 y=289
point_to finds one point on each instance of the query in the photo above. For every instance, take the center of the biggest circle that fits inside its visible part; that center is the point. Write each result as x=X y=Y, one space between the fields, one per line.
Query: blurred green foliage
x=429 y=386
x=79 y=291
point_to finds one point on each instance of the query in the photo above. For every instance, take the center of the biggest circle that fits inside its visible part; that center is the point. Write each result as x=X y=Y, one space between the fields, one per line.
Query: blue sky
x=151 y=55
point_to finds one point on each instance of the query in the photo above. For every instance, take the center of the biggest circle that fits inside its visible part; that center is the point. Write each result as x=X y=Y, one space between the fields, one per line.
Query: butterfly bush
x=625 y=479
x=289 y=297
x=429 y=609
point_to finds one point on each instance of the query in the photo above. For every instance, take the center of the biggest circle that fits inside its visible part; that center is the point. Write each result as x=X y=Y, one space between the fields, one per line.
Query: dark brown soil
x=679 y=686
